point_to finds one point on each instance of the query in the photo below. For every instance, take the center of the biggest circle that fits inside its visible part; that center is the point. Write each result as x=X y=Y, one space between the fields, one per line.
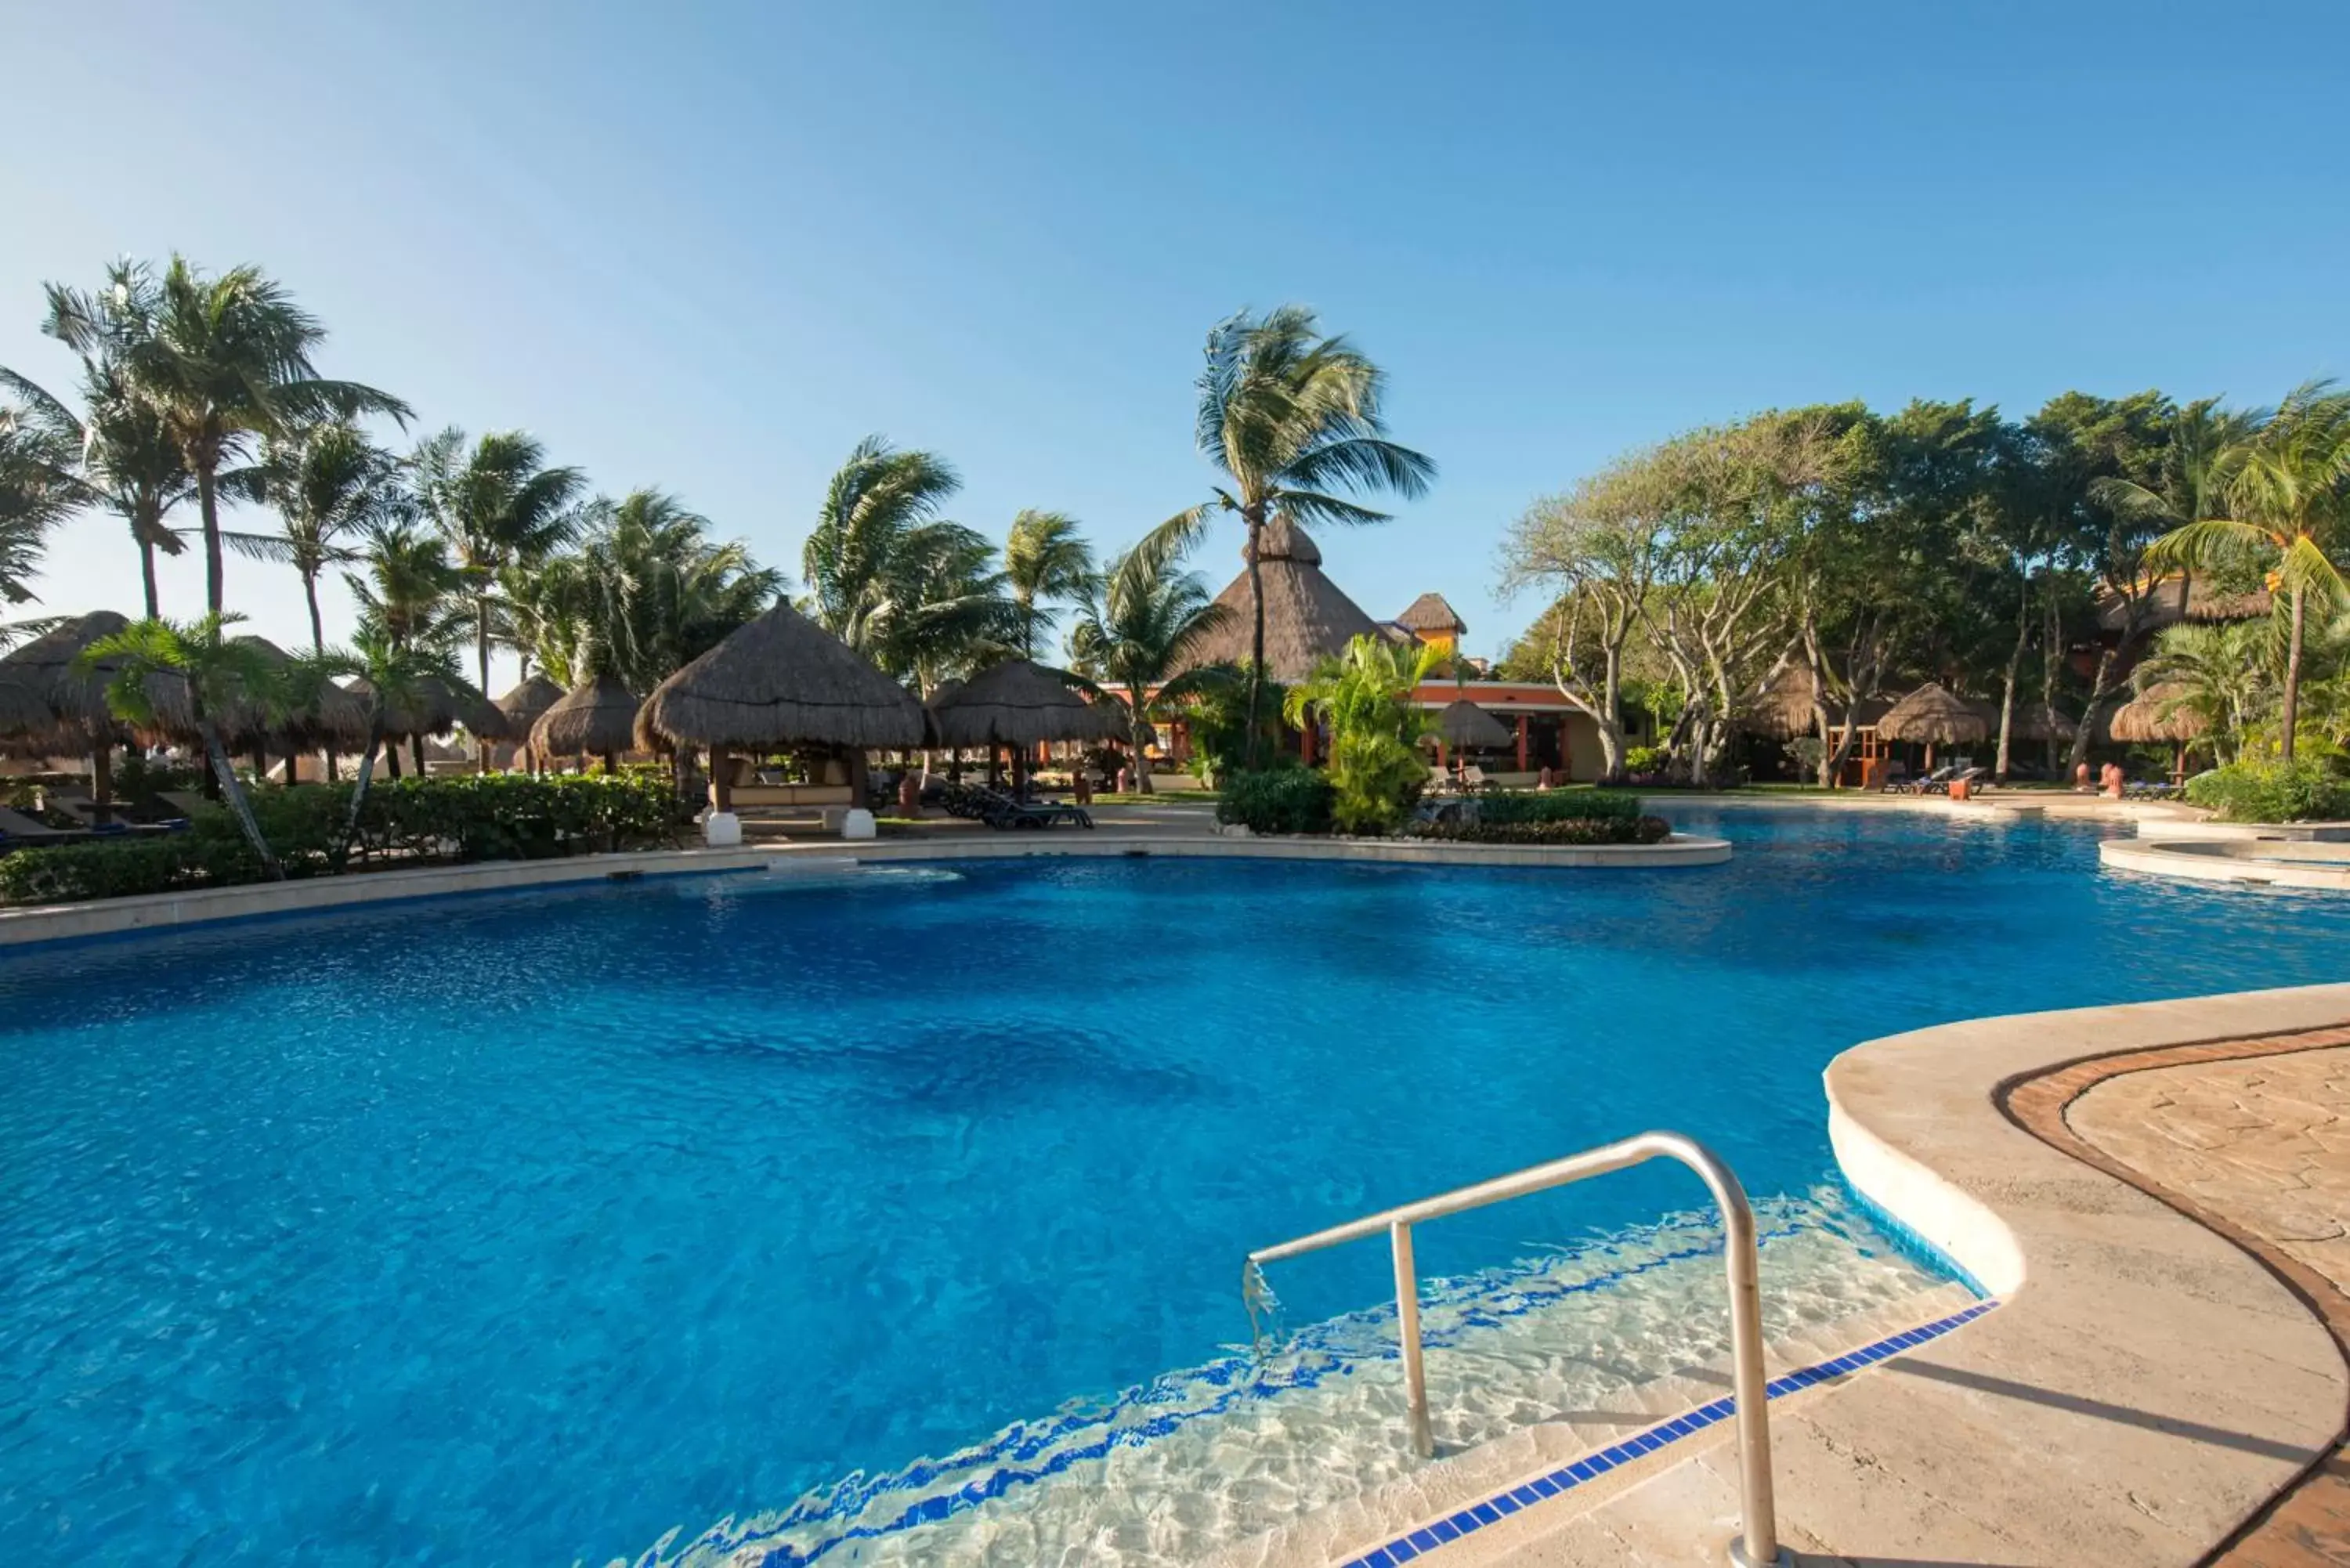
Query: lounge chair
x=1002 y=811
x=18 y=830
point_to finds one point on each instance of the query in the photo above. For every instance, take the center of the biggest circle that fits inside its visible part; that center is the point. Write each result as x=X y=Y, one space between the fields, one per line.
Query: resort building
x=1308 y=619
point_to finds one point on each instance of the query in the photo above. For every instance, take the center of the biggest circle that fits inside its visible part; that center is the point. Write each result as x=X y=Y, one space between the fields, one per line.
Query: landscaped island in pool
x=530 y=1227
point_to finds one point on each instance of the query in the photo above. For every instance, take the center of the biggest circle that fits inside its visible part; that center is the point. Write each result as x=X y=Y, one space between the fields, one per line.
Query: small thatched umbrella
x=596 y=717
x=2159 y=713
x=65 y=704
x=1463 y=725
x=524 y=704
x=781 y=680
x=1020 y=703
x=1933 y=715
x=333 y=717
x=439 y=706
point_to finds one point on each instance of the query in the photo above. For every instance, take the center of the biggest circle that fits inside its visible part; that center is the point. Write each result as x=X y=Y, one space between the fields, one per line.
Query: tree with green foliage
x=500 y=506
x=920 y=596
x=1135 y=625
x=116 y=455
x=400 y=675
x=220 y=360
x=1365 y=695
x=2219 y=673
x=1045 y=557
x=1293 y=419
x=407 y=590
x=2285 y=488
x=220 y=671
x=330 y=487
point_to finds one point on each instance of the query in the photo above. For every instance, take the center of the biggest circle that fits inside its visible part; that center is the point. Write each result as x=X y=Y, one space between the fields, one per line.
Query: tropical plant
x=330 y=486
x=1291 y=417
x=400 y=675
x=2219 y=673
x=219 y=360
x=1137 y=622
x=220 y=671
x=920 y=597
x=1045 y=558
x=36 y=492
x=1365 y=695
x=115 y=456
x=406 y=591
x=2301 y=789
x=499 y=507
x=2286 y=491
x=648 y=592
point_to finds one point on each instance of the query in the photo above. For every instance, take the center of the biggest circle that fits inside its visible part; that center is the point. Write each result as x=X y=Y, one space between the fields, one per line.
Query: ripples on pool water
x=528 y=1229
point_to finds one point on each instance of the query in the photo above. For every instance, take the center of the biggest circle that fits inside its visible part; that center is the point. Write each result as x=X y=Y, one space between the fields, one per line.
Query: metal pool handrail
x=1758 y=1542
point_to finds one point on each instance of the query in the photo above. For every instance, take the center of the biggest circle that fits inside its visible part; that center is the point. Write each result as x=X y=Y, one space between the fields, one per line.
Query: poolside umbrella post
x=1933 y=715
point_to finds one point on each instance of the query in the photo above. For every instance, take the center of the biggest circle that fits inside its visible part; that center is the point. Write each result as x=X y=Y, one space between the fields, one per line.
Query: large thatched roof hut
x=65 y=703
x=596 y=718
x=1307 y=617
x=1020 y=703
x=780 y=681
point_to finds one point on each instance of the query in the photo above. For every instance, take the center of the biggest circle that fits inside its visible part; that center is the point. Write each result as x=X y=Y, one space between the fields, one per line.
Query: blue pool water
x=523 y=1229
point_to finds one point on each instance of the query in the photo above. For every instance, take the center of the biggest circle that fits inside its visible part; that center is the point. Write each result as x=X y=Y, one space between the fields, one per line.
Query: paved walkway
x=2261 y=1147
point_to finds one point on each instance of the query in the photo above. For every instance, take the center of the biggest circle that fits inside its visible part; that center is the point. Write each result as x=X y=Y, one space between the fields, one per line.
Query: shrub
x=500 y=816
x=1647 y=759
x=1633 y=828
x=1556 y=805
x=1278 y=800
x=2302 y=789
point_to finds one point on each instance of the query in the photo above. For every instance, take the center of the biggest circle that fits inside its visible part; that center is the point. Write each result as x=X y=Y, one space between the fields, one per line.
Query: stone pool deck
x=2155 y=1376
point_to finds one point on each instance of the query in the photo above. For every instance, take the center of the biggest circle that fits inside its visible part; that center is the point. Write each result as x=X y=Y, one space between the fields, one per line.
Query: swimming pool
x=528 y=1227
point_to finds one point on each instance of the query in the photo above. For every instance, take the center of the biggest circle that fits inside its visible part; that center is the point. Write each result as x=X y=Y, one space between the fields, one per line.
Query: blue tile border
x=1906 y=1241
x=1408 y=1547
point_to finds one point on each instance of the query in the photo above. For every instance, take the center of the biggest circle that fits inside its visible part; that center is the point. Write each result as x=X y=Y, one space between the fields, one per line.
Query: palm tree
x=330 y=485
x=2219 y=673
x=648 y=592
x=1045 y=557
x=36 y=490
x=220 y=360
x=1291 y=416
x=117 y=456
x=408 y=592
x=2286 y=491
x=2206 y=444
x=500 y=507
x=220 y=671
x=399 y=675
x=1137 y=624
x=919 y=595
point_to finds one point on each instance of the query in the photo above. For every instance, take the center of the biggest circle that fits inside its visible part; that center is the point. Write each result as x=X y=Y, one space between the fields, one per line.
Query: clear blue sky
x=709 y=247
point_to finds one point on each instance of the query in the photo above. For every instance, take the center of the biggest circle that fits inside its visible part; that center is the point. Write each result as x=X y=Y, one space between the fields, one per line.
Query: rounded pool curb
x=2273 y=860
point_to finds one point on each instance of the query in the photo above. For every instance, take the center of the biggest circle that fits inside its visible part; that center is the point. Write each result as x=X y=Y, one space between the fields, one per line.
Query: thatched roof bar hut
x=1307 y=617
x=781 y=680
x=1020 y=703
x=596 y=717
x=2156 y=715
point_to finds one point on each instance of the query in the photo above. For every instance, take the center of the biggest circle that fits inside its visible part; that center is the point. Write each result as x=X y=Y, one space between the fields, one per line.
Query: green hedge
x=1556 y=805
x=2305 y=790
x=1568 y=830
x=1279 y=800
x=501 y=816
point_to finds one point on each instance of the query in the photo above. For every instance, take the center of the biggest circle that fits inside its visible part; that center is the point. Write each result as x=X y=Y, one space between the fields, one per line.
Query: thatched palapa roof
x=442 y=705
x=2031 y=722
x=1463 y=723
x=524 y=703
x=1429 y=612
x=1307 y=619
x=72 y=712
x=1020 y=703
x=2155 y=714
x=781 y=680
x=595 y=718
x=1933 y=715
x=1783 y=710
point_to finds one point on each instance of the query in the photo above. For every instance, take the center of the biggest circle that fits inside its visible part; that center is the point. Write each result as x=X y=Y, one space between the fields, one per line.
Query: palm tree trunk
x=317 y=629
x=1134 y=742
x=359 y=790
x=234 y=792
x=208 y=503
x=147 y=580
x=416 y=754
x=2291 y=716
x=482 y=632
x=101 y=783
x=1256 y=636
